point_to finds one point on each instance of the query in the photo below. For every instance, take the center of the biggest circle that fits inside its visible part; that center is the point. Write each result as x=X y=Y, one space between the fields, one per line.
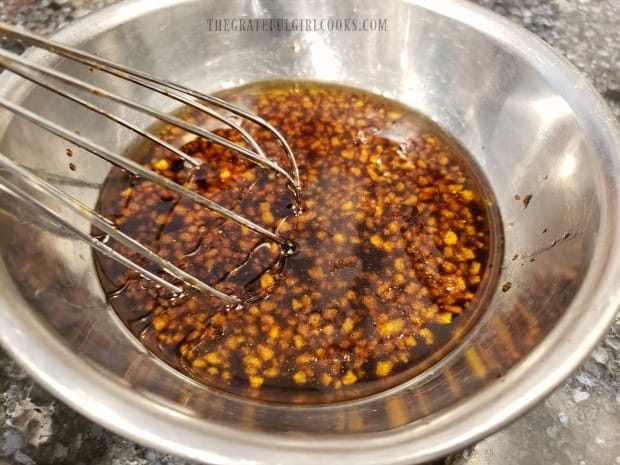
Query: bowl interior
x=519 y=124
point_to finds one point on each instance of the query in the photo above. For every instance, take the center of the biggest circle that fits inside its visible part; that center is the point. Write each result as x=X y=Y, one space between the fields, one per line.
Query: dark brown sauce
x=393 y=243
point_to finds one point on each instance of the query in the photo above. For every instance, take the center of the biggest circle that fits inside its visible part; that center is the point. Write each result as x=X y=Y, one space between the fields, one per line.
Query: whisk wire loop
x=23 y=184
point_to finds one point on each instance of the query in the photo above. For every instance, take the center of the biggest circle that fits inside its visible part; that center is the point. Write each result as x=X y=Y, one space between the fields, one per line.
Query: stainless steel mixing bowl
x=533 y=124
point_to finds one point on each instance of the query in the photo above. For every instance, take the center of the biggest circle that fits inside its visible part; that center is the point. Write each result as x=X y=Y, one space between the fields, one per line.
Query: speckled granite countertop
x=577 y=425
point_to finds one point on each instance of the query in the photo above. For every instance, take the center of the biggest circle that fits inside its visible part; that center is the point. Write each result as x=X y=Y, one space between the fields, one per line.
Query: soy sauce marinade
x=392 y=240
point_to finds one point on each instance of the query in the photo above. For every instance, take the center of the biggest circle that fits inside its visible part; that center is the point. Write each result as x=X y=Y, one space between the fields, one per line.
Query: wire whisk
x=29 y=187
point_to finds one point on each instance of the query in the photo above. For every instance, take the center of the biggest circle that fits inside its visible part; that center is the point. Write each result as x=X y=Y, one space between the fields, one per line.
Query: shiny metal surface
x=40 y=74
x=532 y=123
